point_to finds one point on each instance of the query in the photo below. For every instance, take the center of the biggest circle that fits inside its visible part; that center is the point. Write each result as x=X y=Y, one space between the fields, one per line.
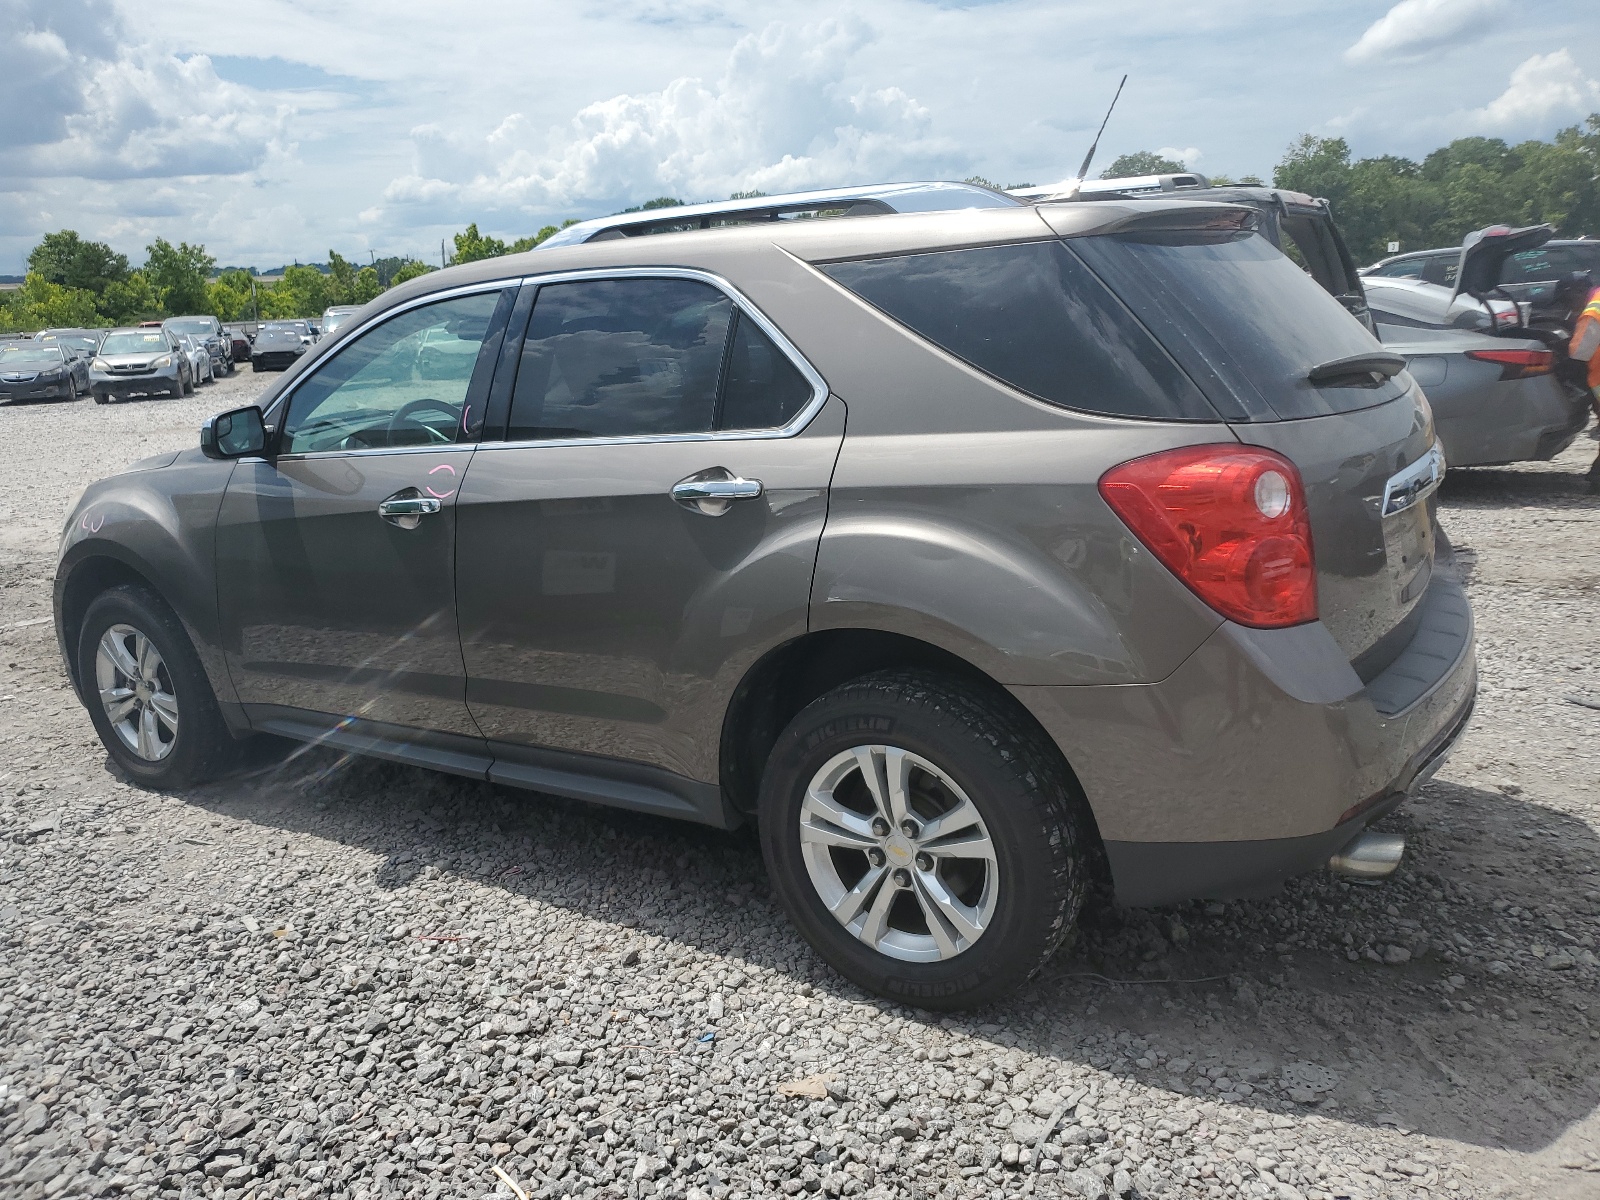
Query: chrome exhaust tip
x=1369 y=856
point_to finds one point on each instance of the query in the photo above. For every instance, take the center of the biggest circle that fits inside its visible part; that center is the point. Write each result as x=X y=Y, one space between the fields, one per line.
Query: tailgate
x=1372 y=566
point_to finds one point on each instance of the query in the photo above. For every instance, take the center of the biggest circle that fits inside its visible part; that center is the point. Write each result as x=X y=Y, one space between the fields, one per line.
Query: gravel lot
x=334 y=977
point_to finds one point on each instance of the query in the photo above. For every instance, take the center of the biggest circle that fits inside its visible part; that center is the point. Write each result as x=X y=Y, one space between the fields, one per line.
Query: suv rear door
x=643 y=531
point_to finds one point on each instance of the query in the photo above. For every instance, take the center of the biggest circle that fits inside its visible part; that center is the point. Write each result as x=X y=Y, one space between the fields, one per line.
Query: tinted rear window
x=1034 y=317
x=1244 y=321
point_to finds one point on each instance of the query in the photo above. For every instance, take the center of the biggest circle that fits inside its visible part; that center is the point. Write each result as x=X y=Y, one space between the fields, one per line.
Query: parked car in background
x=1495 y=399
x=1128 y=549
x=210 y=333
x=336 y=316
x=200 y=361
x=142 y=361
x=279 y=344
x=1530 y=274
x=1417 y=303
x=33 y=371
x=239 y=341
x=80 y=341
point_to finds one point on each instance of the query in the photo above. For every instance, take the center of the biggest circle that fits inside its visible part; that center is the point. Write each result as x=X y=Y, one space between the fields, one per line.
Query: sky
x=275 y=131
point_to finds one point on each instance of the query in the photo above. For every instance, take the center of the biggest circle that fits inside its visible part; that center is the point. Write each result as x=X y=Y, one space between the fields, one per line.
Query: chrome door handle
x=713 y=492
x=407 y=511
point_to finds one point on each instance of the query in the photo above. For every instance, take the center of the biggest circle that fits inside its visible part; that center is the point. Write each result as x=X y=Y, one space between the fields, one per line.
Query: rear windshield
x=1033 y=317
x=196 y=325
x=1246 y=323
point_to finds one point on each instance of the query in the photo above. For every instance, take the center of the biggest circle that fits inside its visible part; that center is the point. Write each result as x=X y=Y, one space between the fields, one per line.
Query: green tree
x=66 y=259
x=1141 y=162
x=341 y=279
x=658 y=202
x=179 y=274
x=471 y=246
x=409 y=270
x=365 y=286
x=302 y=292
x=128 y=300
x=228 y=296
x=40 y=304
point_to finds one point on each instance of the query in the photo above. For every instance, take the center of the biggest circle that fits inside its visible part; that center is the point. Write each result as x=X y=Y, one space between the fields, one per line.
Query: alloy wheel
x=136 y=692
x=899 y=854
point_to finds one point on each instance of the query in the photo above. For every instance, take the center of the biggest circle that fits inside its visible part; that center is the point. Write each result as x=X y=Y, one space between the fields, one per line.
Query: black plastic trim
x=614 y=782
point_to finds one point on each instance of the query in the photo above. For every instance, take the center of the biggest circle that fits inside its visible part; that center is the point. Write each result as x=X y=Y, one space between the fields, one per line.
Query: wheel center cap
x=899 y=849
x=144 y=690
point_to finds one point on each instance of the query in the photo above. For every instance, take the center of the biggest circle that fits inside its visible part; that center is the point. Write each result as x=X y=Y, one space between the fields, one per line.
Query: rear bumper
x=1262 y=754
x=271 y=361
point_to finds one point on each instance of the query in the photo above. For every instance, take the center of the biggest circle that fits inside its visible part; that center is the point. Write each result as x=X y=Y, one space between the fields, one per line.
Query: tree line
x=1470 y=183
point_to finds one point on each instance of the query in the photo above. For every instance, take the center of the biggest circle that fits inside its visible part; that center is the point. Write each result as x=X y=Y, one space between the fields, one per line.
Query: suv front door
x=335 y=554
x=645 y=532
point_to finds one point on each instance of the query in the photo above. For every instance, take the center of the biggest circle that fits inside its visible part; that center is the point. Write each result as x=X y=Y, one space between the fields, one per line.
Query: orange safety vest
x=1586 y=334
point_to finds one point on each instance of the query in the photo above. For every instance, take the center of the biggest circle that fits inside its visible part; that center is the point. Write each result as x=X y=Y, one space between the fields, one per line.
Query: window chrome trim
x=281 y=400
x=819 y=386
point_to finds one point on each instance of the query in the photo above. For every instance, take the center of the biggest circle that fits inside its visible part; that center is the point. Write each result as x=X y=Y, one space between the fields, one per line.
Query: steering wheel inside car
x=406 y=415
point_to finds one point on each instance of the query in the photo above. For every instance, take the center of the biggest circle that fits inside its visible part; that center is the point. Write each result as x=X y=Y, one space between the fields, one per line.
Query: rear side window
x=763 y=389
x=1034 y=317
x=648 y=358
x=621 y=358
x=1240 y=316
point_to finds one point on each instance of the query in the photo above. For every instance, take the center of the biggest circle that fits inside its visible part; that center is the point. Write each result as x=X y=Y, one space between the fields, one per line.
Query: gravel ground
x=334 y=977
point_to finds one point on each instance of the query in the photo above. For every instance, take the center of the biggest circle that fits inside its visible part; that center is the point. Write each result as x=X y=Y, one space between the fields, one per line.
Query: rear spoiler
x=1196 y=218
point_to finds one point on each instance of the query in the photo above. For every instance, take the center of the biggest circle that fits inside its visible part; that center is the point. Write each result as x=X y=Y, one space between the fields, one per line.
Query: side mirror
x=234 y=434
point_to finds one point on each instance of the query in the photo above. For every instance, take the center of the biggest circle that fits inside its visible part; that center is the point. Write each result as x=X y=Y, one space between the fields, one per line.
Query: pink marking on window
x=465 y=413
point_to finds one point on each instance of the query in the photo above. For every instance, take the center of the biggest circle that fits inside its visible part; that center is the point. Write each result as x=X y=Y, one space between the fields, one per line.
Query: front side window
x=403 y=383
x=647 y=358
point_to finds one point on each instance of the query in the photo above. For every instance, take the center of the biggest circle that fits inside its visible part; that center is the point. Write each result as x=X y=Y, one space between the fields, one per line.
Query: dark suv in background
x=960 y=551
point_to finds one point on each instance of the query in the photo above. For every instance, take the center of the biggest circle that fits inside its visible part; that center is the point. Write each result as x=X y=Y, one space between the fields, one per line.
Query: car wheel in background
x=100 y=397
x=147 y=693
x=924 y=839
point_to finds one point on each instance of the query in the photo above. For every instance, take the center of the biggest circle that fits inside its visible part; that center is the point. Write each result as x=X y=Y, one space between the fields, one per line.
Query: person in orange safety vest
x=1585 y=347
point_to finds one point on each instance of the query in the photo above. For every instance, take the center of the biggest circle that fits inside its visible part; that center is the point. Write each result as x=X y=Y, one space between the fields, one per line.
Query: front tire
x=924 y=838
x=147 y=693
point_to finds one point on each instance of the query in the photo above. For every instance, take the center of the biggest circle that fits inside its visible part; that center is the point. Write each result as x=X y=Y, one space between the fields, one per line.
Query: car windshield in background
x=32 y=356
x=142 y=341
x=1034 y=317
x=1272 y=324
x=198 y=326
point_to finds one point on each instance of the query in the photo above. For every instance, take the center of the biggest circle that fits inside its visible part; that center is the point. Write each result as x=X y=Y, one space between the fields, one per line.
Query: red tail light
x=1517 y=364
x=1230 y=522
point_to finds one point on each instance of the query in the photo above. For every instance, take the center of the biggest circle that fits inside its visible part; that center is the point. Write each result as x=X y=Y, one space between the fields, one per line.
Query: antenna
x=1083 y=171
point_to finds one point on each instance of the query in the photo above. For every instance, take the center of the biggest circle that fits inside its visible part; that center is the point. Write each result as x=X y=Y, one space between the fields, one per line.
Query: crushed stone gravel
x=332 y=977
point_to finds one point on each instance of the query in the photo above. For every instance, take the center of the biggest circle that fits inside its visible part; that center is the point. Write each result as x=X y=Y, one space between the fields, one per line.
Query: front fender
x=156 y=526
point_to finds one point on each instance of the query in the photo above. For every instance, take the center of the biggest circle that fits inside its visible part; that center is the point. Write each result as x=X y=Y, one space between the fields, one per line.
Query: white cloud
x=1189 y=156
x=1414 y=27
x=1542 y=88
x=781 y=117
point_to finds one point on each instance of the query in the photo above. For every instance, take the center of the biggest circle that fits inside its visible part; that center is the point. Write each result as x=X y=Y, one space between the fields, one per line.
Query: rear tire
x=151 y=703
x=975 y=907
x=100 y=397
